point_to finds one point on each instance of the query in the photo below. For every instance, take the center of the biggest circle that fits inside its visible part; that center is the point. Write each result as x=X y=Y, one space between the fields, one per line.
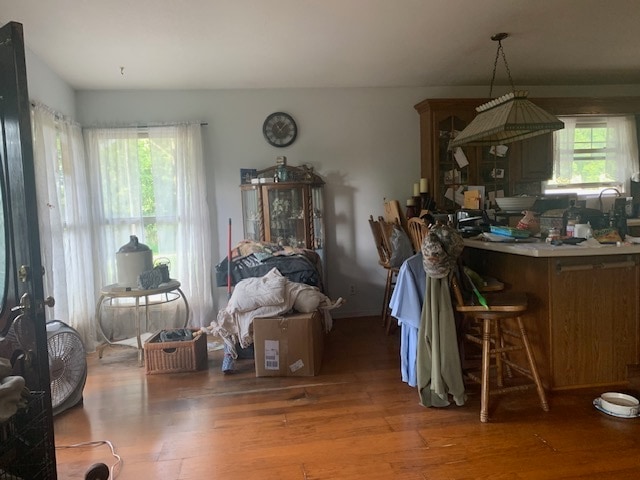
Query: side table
x=165 y=293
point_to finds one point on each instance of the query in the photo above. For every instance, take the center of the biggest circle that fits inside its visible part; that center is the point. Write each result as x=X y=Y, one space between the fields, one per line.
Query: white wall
x=47 y=87
x=364 y=142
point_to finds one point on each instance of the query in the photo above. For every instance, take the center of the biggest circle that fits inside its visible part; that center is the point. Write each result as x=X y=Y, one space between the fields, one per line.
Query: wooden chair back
x=386 y=229
x=393 y=213
x=418 y=229
x=384 y=252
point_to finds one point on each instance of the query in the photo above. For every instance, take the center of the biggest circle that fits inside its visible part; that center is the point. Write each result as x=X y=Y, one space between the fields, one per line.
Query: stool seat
x=499 y=330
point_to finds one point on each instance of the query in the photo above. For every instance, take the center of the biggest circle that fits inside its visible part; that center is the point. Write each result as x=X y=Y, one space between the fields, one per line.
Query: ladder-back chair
x=418 y=229
x=382 y=239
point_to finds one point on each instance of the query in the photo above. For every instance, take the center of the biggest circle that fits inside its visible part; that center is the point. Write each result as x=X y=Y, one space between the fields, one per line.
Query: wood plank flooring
x=356 y=420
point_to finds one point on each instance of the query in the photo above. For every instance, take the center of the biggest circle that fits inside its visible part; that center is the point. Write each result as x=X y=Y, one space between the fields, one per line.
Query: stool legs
x=532 y=366
x=486 y=363
x=495 y=346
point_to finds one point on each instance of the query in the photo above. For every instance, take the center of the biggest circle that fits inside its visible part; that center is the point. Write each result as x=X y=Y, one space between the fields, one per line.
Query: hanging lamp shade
x=506 y=119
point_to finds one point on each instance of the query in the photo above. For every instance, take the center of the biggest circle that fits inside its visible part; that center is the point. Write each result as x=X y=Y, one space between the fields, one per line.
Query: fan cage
x=67 y=366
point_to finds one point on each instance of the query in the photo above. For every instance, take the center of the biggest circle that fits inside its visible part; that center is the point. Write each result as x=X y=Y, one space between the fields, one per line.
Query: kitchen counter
x=541 y=249
x=583 y=318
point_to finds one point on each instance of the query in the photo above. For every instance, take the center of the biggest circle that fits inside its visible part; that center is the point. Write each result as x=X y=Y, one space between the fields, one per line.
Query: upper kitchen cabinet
x=536 y=157
x=525 y=165
x=450 y=172
x=445 y=170
x=284 y=205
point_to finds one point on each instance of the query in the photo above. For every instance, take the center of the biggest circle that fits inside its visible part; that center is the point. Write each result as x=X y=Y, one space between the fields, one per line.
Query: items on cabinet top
x=281 y=172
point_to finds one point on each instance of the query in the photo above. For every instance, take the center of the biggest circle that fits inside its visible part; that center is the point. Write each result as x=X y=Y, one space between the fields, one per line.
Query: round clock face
x=279 y=129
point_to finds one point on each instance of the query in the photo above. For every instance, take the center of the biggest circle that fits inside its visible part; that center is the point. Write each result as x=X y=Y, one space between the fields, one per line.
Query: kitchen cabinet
x=446 y=174
x=284 y=205
x=535 y=158
x=527 y=162
x=584 y=309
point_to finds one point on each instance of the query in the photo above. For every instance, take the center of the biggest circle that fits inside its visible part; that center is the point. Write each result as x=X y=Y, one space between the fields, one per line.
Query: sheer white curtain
x=621 y=148
x=150 y=182
x=64 y=221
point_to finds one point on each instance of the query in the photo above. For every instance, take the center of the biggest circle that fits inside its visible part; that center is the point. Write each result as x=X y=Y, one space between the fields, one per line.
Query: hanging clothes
x=439 y=371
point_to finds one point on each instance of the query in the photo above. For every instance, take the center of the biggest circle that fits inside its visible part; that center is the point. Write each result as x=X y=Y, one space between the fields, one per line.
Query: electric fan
x=67 y=365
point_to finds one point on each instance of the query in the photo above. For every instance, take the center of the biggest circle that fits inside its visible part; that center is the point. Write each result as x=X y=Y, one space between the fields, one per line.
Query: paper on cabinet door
x=460 y=157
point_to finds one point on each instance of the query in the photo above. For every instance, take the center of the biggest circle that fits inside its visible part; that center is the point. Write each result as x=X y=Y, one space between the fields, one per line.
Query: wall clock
x=280 y=129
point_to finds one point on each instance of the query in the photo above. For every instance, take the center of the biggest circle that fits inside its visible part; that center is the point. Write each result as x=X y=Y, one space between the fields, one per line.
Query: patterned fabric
x=441 y=248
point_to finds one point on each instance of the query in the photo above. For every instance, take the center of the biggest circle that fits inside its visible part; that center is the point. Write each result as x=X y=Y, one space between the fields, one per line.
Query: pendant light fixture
x=509 y=118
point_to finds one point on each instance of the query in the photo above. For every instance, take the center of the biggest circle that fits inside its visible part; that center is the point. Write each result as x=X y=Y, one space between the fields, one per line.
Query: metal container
x=132 y=259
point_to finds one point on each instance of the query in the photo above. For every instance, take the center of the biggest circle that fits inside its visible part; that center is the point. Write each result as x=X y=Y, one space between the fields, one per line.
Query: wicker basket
x=176 y=357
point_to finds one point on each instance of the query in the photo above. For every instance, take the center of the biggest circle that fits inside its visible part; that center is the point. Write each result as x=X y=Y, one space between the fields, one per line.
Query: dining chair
x=417 y=229
x=381 y=231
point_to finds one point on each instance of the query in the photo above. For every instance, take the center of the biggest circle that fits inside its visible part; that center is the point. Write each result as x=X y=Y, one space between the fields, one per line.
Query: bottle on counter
x=553 y=235
x=570 y=218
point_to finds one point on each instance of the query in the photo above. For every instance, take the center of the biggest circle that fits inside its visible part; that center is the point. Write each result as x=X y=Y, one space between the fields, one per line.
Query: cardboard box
x=176 y=357
x=288 y=346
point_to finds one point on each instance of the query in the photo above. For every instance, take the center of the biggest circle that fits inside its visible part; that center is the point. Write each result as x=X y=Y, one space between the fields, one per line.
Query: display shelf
x=284 y=205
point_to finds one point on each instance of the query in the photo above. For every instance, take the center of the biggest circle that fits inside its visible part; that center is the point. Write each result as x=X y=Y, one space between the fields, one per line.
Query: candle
x=411 y=202
x=416 y=190
x=423 y=185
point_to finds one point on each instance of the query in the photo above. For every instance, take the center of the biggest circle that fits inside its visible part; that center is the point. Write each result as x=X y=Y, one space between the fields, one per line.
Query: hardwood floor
x=356 y=420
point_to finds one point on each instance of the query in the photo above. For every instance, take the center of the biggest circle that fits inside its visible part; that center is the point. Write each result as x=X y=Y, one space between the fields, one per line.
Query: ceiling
x=240 y=44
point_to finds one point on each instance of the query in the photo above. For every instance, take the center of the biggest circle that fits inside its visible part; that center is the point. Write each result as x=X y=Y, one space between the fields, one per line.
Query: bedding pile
x=252 y=258
x=270 y=295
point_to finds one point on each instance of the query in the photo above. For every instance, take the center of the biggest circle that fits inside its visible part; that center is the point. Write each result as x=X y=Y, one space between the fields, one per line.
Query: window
x=138 y=184
x=150 y=182
x=593 y=153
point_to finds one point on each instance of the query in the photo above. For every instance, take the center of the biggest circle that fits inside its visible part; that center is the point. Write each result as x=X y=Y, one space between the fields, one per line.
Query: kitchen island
x=584 y=308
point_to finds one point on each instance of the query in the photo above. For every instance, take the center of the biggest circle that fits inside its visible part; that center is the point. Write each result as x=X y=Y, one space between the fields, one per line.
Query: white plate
x=596 y=403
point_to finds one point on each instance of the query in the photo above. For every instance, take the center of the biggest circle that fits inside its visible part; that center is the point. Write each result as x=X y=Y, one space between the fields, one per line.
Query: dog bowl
x=619 y=404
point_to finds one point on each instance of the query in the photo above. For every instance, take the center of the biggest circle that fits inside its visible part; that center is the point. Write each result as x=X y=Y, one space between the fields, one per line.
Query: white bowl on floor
x=619 y=404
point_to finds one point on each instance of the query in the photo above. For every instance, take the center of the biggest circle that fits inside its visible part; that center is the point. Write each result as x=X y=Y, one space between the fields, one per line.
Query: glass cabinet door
x=286 y=206
x=317 y=214
x=252 y=213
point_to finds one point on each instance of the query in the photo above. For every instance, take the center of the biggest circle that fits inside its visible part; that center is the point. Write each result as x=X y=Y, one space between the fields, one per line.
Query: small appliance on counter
x=622 y=210
x=132 y=259
x=471 y=222
x=555 y=218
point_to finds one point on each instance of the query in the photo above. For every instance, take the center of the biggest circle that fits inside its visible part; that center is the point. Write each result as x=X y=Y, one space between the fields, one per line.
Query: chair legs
x=495 y=346
x=387 y=322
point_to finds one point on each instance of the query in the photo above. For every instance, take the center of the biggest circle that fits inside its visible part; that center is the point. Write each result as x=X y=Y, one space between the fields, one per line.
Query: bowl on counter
x=515 y=204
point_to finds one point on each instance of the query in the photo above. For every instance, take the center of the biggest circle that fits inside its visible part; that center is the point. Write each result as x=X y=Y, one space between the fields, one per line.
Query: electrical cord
x=114 y=470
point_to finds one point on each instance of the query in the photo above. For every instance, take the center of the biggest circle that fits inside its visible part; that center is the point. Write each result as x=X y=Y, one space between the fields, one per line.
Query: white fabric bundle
x=267 y=296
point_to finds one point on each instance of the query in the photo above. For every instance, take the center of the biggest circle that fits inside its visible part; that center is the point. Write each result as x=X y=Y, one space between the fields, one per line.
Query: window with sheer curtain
x=592 y=153
x=148 y=182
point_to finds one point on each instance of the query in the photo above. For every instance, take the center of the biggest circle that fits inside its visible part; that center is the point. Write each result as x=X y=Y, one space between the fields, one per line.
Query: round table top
x=117 y=290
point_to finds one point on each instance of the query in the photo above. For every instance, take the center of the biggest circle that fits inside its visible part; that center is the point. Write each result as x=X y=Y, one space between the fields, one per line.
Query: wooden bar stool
x=497 y=341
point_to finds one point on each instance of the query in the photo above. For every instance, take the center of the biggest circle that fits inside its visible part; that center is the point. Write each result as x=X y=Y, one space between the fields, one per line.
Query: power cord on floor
x=114 y=470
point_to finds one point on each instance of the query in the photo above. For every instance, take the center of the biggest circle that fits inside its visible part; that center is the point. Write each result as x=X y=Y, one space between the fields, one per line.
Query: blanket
x=254 y=259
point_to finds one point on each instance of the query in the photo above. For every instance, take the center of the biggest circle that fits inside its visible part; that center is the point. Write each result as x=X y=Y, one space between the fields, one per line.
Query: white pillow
x=254 y=292
x=308 y=300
